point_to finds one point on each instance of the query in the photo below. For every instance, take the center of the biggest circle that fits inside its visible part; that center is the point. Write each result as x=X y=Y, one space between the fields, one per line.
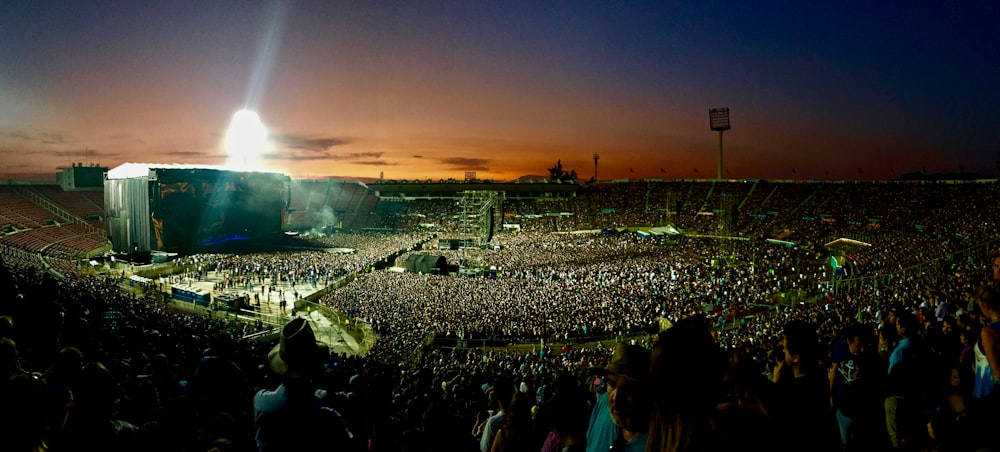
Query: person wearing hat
x=290 y=417
x=620 y=417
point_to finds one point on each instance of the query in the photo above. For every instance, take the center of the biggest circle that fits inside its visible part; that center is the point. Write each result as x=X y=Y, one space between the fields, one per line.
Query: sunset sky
x=432 y=89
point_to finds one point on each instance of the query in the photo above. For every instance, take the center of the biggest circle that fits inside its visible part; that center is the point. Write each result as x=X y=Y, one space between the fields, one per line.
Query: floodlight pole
x=719 y=172
x=718 y=121
x=596 y=158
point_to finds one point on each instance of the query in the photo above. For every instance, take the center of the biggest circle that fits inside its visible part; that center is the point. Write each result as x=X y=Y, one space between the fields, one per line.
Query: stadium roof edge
x=132 y=170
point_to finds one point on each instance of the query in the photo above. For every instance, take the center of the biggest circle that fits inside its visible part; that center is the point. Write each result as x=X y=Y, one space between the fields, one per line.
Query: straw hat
x=630 y=361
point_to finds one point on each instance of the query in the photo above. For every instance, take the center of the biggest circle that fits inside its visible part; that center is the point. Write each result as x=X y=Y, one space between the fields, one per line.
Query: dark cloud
x=297 y=157
x=51 y=138
x=357 y=155
x=361 y=158
x=466 y=163
x=177 y=153
x=41 y=137
x=309 y=143
x=126 y=137
x=418 y=156
x=81 y=153
x=374 y=163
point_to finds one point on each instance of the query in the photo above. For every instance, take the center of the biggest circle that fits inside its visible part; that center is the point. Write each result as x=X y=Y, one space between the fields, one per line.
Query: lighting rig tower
x=476 y=226
x=596 y=158
x=718 y=120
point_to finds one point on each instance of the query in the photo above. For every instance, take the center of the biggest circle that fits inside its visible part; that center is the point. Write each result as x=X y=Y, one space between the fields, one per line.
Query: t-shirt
x=857 y=388
x=490 y=430
x=984 y=384
x=602 y=431
x=804 y=416
x=279 y=414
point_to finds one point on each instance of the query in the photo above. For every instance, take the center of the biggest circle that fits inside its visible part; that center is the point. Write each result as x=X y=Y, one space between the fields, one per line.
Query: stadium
x=433 y=293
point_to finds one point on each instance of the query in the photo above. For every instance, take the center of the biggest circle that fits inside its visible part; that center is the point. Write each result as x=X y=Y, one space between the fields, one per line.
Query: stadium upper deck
x=749 y=208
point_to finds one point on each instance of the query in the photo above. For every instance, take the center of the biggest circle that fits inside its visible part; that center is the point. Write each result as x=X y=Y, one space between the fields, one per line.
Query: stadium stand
x=555 y=307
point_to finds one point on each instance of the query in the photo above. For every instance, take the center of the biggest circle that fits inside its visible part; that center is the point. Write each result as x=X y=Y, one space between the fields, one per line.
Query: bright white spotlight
x=245 y=140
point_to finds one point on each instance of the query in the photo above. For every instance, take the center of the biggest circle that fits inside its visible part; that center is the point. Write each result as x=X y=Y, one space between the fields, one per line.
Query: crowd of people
x=766 y=347
x=352 y=253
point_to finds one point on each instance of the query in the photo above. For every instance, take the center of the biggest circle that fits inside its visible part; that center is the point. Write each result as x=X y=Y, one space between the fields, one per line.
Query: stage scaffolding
x=478 y=210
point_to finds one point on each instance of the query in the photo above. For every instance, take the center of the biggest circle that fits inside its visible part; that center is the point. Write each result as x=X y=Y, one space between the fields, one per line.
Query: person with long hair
x=987 y=347
x=687 y=368
x=518 y=431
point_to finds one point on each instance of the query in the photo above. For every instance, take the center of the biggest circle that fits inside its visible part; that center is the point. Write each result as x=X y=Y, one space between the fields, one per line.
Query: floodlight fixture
x=718 y=121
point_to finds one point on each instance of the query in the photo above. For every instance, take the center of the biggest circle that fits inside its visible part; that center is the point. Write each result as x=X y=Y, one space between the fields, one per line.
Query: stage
x=328 y=326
